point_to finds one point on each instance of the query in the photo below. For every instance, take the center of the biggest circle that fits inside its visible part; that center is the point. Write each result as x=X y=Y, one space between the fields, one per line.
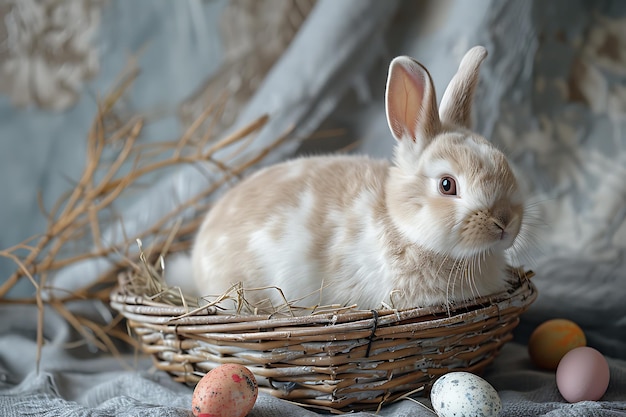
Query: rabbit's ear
x=456 y=103
x=410 y=102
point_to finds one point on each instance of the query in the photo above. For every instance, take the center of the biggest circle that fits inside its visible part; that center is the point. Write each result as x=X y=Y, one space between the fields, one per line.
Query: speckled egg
x=230 y=390
x=583 y=375
x=462 y=394
x=551 y=340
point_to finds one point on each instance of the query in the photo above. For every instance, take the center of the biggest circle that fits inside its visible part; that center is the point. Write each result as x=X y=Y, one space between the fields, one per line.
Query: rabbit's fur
x=352 y=230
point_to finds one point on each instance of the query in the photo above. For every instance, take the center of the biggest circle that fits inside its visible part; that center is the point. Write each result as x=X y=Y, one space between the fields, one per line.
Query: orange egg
x=552 y=340
x=230 y=390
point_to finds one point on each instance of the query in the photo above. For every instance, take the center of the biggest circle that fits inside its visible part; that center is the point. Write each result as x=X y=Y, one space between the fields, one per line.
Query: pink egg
x=582 y=375
x=229 y=390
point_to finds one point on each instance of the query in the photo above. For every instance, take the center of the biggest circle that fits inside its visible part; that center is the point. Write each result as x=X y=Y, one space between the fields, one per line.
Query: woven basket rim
x=135 y=304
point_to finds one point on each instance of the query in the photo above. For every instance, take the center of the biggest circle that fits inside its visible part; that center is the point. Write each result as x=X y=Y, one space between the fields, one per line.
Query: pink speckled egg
x=229 y=390
x=583 y=375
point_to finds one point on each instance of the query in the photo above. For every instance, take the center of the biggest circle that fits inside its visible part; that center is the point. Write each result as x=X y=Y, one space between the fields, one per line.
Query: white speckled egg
x=462 y=394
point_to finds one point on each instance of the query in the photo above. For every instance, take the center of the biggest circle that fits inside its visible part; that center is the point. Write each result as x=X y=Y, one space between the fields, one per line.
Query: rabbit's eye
x=447 y=186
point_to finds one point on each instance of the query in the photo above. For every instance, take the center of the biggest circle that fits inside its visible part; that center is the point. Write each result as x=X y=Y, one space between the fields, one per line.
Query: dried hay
x=78 y=217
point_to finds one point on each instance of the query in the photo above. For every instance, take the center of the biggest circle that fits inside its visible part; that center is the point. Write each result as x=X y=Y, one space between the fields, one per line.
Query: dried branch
x=80 y=215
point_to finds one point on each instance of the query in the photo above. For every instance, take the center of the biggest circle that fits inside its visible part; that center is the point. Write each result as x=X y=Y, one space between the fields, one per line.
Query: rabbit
x=429 y=229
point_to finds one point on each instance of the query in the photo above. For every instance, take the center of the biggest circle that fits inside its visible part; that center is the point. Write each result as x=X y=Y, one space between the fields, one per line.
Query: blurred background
x=552 y=95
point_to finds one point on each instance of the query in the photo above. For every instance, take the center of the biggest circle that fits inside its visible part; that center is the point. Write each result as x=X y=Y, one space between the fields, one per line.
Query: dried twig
x=82 y=214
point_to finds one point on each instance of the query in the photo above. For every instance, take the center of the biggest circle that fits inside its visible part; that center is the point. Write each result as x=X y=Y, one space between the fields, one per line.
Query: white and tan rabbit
x=429 y=229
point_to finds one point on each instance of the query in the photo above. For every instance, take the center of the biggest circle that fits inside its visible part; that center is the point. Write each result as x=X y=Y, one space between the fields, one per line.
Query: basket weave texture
x=354 y=360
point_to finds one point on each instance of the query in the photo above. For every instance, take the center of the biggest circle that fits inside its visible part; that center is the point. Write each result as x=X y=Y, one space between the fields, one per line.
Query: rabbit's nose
x=504 y=219
x=501 y=216
x=501 y=227
x=502 y=212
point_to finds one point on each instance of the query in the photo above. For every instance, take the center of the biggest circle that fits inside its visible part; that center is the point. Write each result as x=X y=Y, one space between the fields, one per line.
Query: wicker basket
x=346 y=361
